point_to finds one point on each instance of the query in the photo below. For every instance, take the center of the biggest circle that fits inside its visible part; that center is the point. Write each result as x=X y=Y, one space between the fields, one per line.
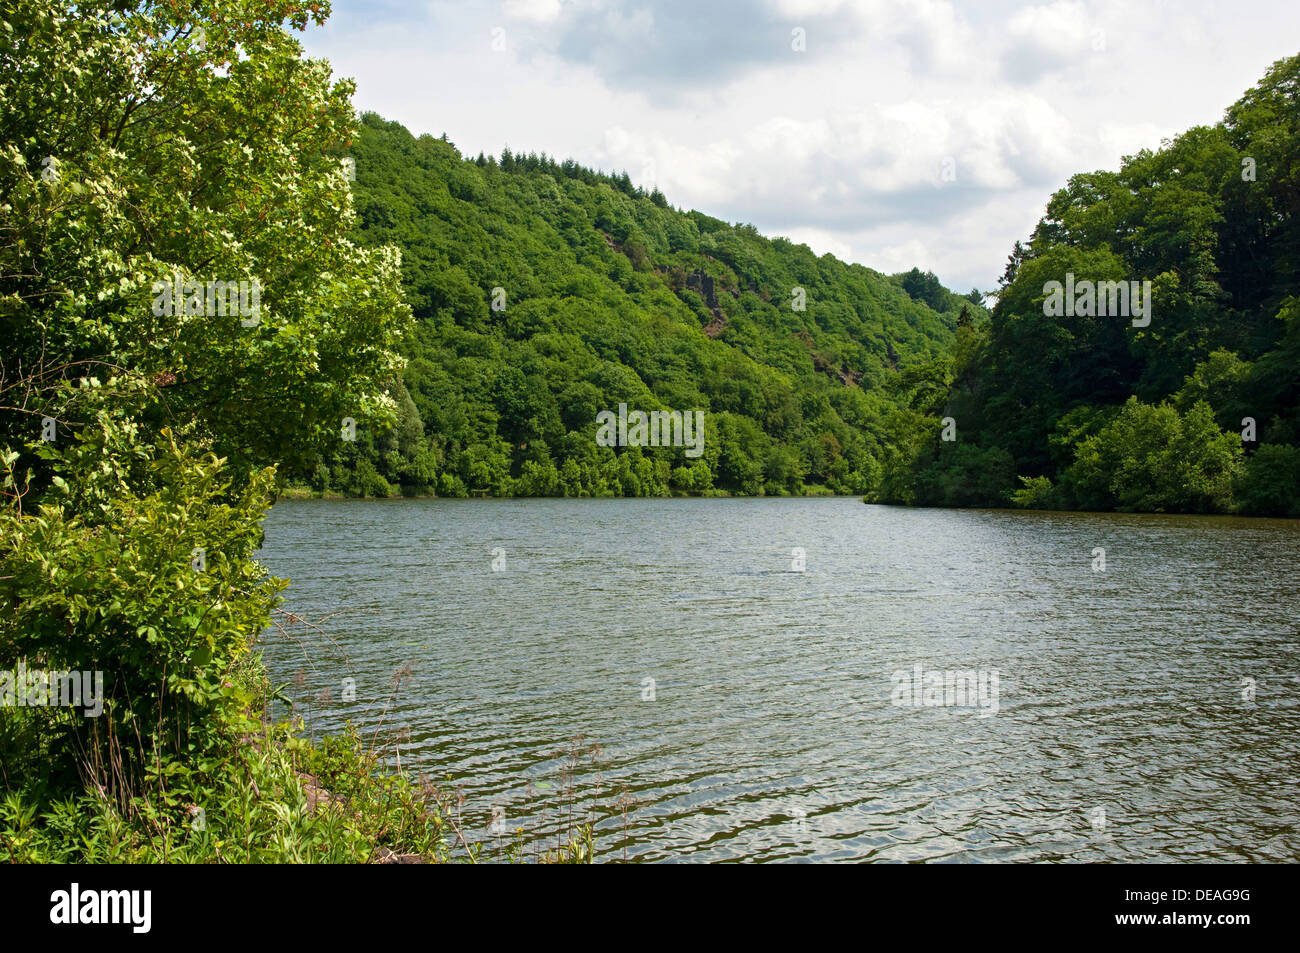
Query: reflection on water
x=1124 y=728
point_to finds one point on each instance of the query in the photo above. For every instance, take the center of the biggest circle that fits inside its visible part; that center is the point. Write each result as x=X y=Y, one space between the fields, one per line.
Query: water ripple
x=1145 y=713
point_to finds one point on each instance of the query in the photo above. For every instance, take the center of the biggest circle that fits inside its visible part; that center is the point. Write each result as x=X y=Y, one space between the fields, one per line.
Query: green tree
x=1152 y=458
x=1270 y=484
x=139 y=152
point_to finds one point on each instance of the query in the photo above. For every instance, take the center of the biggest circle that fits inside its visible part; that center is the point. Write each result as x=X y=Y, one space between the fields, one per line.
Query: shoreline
x=300 y=494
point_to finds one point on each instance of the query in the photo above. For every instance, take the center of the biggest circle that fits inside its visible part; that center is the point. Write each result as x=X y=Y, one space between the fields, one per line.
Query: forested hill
x=545 y=293
x=1193 y=407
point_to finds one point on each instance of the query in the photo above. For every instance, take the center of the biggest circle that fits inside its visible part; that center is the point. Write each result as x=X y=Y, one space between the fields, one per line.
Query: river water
x=748 y=668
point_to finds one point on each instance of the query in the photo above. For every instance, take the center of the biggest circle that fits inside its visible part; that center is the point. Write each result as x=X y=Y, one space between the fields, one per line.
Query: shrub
x=1037 y=493
x=1153 y=459
x=1270 y=483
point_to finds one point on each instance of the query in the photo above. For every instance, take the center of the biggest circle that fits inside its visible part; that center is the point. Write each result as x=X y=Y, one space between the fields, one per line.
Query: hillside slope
x=545 y=293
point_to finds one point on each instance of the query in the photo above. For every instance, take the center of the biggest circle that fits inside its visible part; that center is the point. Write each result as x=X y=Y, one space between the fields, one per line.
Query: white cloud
x=1061 y=30
x=537 y=11
x=911 y=253
x=821 y=242
x=842 y=146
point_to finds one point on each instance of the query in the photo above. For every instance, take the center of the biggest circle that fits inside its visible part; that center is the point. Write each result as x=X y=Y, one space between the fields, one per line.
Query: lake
x=749 y=669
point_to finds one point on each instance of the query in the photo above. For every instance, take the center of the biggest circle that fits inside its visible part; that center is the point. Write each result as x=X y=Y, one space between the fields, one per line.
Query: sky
x=893 y=133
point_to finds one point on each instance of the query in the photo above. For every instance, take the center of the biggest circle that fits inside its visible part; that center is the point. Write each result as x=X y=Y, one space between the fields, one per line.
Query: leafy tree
x=1270 y=484
x=1091 y=408
x=1153 y=458
x=140 y=152
x=925 y=287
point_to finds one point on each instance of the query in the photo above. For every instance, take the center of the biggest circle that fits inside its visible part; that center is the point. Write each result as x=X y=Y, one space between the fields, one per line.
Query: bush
x=159 y=591
x=1270 y=484
x=368 y=482
x=1036 y=494
x=962 y=474
x=1153 y=459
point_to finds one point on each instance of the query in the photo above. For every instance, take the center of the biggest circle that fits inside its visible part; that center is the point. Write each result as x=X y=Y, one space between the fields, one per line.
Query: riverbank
x=301 y=492
x=272 y=796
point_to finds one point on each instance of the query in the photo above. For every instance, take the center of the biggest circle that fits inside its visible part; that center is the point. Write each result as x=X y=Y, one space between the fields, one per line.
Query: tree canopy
x=1198 y=410
x=545 y=292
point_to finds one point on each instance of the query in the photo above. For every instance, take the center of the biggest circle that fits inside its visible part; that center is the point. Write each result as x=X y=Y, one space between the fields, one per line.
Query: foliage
x=925 y=287
x=607 y=296
x=138 y=442
x=1151 y=416
x=273 y=798
x=1155 y=459
x=1036 y=493
x=1270 y=483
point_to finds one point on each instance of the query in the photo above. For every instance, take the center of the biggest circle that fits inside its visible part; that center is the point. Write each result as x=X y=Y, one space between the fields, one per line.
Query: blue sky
x=905 y=132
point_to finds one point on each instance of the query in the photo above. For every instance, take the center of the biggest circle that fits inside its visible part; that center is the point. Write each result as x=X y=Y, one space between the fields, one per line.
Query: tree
x=145 y=157
x=1151 y=458
x=926 y=288
x=1205 y=229
x=1270 y=485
